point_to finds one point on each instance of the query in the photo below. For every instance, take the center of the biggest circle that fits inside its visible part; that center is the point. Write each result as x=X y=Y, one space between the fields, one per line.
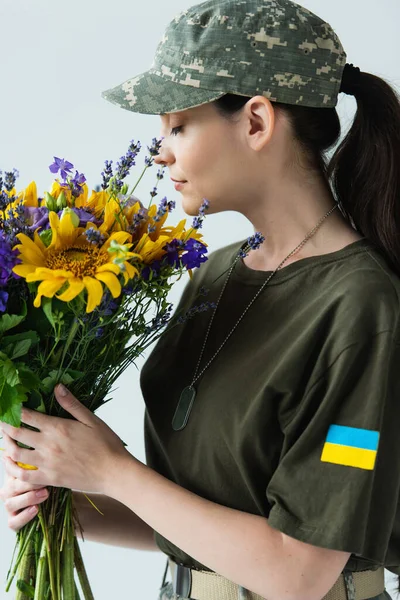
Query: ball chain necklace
x=188 y=395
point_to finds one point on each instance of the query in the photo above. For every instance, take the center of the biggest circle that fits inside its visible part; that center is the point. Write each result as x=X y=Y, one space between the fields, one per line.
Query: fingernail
x=62 y=390
x=33 y=509
x=41 y=493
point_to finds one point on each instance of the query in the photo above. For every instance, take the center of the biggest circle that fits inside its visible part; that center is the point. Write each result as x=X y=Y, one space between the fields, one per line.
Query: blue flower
x=61 y=165
x=77 y=184
x=3 y=301
x=172 y=249
x=255 y=240
x=36 y=217
x=194 y=254
x=107 y=174
x=8 y=260
x=124 y=166
x=198 y=221
x=154 y=267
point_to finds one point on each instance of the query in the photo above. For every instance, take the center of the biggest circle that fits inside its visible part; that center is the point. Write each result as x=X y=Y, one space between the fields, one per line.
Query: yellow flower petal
x=111 y=282
x=48 y=274
x=36 y=253
x=24 y=270
x=48 y=289
x=130 y=270
x=27 y=467
x=29 y=196
x=81 y=201
x=120 y=237
x=75 y=288
x=95 y=293
x=109 y=267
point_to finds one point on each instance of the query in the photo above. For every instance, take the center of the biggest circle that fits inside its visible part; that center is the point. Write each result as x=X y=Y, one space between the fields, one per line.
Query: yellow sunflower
x=72 y=261
x=150 y=246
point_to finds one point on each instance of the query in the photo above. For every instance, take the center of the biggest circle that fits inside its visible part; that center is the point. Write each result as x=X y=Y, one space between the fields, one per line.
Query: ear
x=261 y=121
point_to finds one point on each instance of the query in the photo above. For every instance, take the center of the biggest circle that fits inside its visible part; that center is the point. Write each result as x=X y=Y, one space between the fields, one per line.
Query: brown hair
x=364 y=170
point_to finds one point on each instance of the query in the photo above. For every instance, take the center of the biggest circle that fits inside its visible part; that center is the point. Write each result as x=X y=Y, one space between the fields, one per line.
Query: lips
x=178 y=180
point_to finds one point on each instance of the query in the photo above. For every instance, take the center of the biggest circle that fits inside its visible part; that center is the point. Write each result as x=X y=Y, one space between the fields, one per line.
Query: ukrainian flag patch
x=351 y=446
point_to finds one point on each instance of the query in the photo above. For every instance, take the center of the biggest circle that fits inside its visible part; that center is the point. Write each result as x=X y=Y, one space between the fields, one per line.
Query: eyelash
x=176 y=130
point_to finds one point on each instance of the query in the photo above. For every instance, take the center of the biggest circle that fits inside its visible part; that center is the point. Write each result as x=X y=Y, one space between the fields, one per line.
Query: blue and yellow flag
x=351 y=446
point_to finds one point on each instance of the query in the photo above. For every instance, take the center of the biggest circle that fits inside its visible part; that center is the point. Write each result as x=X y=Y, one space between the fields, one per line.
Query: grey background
x=56 y=57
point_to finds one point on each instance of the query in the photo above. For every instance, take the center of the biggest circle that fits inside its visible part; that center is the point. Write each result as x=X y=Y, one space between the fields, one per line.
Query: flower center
x=82 y=262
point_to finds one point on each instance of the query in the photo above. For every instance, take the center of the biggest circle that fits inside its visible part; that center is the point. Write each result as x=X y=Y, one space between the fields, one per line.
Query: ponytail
x=365 y=169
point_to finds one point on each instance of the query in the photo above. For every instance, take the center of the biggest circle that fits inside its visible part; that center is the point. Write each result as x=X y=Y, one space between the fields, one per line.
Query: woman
x=273 y=468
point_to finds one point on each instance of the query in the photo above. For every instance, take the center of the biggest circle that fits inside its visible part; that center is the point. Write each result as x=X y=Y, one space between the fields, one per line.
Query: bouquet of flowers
x=84 y=280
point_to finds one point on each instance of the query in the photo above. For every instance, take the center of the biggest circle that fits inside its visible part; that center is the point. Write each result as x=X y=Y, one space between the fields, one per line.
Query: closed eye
x=176 y=130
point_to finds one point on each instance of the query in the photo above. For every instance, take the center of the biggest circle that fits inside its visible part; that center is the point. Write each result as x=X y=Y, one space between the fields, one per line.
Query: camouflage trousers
x=167 y=593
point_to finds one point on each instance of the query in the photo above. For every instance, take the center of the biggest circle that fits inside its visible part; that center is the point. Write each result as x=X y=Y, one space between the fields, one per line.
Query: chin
x=191 y=206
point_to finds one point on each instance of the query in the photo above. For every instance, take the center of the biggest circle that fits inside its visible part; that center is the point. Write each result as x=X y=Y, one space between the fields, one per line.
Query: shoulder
x=361 y=294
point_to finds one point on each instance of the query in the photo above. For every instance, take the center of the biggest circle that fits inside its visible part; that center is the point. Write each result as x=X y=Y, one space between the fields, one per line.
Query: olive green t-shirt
x=298 y=417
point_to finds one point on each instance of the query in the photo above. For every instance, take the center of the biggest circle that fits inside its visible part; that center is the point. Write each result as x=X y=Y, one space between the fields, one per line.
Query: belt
x=206 y=585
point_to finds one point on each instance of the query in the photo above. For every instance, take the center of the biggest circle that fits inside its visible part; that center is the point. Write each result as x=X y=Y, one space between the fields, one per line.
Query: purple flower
x=255 y=240
x=107 y=174
x=94 y=236
x=8 y=260
x=36 y=217
x=61 y=165
x=77 y=184
x=3 y=301
x=10 y=178
x=198 y=221
x=154 y=267
x=124 y=166
x=154 y=150
x=194 y=254
x=172 y=249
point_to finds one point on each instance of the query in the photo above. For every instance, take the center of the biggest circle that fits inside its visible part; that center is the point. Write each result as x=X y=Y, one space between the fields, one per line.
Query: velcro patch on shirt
x=351 y=446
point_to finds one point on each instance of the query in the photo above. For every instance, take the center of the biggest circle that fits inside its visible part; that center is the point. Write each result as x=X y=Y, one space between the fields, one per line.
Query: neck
x=293 y=213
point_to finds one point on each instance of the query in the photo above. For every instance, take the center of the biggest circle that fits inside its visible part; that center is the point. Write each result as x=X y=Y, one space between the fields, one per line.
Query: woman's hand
x=21 y=500
x=82 y=454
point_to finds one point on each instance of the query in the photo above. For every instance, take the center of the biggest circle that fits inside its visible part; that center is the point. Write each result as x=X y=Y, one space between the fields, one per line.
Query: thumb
x=72 y=405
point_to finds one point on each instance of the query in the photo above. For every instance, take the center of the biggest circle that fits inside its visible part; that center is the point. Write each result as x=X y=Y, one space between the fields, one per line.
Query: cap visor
x=151 y=94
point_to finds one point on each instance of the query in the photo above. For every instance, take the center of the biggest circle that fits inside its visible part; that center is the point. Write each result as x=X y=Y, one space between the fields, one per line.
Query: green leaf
x=10 y=321
x=10 y=372
x=25 y=588
x=28 y=379
x=49 y=382
x=66 y=378
x=26 y=335
x=35 y=402
x=21 y=348
x=10 y=403
x=47 y=309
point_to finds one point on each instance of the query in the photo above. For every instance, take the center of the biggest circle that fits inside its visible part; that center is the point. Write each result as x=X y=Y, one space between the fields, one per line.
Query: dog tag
x=184 y=408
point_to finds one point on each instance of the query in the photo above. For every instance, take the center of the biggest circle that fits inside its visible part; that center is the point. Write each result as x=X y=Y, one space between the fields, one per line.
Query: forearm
x=118 y=527
x=240 y=546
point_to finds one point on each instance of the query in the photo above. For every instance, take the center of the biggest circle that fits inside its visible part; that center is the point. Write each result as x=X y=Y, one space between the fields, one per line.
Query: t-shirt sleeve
x=338 y=478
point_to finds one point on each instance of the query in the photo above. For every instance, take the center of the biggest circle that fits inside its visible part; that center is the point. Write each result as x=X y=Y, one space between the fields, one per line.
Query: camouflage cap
x=273 y=48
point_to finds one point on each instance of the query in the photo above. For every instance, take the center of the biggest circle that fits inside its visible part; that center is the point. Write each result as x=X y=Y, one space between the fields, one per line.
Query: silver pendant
x=184 y=408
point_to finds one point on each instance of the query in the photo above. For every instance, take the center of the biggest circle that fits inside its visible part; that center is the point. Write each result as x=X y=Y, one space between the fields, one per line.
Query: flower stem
x=67 y=552
x=54 y=591
x=24 y=571
x=21 y=553
x=80 y=569
x=67 y=577
x=42 y=571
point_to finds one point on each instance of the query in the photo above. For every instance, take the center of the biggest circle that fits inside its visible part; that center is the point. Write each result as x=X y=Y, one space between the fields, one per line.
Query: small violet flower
x=62 y=166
